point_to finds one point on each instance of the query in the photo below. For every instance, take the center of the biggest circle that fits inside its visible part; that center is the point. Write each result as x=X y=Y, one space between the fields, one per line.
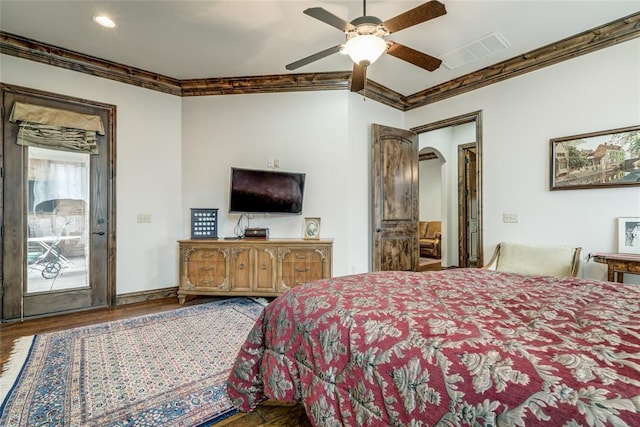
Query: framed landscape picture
x=600 y=159
x=629 y=235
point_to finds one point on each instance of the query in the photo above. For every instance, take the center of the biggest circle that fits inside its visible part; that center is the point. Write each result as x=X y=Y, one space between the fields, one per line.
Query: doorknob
x=100 y=232
x=378 y=230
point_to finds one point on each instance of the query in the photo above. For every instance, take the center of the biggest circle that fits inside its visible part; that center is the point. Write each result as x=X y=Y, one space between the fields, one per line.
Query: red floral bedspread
x=455 y=347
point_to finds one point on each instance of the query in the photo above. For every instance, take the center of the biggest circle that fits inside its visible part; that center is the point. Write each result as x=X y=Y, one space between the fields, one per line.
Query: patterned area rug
x=165 y=369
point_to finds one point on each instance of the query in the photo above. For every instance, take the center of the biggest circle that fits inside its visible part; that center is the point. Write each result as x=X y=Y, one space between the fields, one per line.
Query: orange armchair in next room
x=430 y=233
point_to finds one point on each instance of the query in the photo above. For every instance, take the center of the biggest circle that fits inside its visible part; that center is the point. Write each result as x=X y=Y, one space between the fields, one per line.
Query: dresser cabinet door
x=241 y=271
x=301 y=265
x=266 y=270
x=207 y=268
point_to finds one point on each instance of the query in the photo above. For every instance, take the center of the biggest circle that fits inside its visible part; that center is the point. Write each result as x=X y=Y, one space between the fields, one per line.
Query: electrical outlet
x=144 y=218
x=270 y=163
x=510 y=217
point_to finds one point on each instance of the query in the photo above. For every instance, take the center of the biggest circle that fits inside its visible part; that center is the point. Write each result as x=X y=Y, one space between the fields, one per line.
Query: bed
x=453 y=347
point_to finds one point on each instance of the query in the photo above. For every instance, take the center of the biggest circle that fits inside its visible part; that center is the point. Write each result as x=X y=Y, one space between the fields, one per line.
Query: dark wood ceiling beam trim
x=22 y=47
x=287 y=83
x=595 y=39
x=266 y=84
x=383 y=95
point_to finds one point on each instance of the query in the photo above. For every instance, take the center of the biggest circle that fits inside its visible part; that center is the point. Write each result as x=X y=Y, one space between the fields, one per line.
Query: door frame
x=475 y=116
x=110 y=217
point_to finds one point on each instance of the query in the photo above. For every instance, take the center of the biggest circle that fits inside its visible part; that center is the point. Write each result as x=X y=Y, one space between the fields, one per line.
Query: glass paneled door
x=57 y=197
x=57 y=214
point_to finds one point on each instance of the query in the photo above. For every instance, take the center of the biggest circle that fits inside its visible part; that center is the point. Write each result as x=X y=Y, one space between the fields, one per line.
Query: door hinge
x=2 y=112
x=1 y=230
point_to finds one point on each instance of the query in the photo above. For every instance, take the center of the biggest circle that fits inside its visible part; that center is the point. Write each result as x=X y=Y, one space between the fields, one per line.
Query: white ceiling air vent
x=475 y=50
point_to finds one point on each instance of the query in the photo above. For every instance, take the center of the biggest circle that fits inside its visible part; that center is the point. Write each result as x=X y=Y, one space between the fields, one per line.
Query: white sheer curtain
x=60 y=180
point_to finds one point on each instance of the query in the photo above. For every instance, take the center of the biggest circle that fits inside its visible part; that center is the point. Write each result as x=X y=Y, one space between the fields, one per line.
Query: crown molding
x=601 y=37
x=22 y=47
x=266 y=84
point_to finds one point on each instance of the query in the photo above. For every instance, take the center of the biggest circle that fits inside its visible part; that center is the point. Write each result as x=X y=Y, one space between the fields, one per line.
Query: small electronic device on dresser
x=256 y=233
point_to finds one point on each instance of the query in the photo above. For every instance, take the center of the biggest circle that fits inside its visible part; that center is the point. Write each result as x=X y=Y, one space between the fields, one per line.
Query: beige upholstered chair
x=543 y=260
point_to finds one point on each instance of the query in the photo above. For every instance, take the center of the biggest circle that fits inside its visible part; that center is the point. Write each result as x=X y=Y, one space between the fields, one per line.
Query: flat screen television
x=266 y=191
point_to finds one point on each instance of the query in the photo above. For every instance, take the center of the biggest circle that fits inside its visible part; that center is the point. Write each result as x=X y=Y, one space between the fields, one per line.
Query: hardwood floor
x=430 y=264
x=269 y=413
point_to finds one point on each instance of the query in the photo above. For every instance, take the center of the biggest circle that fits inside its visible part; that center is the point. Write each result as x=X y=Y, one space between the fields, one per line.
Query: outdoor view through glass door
x=57 y=220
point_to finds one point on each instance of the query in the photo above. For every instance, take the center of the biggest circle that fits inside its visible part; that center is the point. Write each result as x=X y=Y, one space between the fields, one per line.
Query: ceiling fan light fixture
x=104 y=20
x=365 y=49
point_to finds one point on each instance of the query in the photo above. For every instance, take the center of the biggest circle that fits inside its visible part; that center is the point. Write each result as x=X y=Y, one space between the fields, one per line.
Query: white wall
x=148 y=174
x=323 y=134
x=594 y=92
x=430 y=173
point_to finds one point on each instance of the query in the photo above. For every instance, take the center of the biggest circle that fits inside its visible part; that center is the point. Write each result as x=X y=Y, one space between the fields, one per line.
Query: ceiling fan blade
x=358 y=77
x=417 y=15
x=414 y=57
x=329 y=18
x=311 y=58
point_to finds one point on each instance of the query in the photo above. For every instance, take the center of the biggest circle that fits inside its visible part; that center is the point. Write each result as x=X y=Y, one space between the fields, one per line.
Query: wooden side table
x=618 y=265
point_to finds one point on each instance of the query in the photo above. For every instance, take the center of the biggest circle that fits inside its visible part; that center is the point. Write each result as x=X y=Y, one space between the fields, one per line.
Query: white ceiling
x=201 y=39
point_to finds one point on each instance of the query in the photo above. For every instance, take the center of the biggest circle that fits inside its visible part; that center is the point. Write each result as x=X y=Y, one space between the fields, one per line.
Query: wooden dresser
x=250 y=267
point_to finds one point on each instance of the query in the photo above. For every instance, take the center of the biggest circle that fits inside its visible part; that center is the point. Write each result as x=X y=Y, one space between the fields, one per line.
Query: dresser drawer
x=206 y=268
x=626 y=266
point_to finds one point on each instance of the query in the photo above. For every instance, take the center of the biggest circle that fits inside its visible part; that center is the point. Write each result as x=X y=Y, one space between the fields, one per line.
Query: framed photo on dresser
x=311 y=229
x=629 y=235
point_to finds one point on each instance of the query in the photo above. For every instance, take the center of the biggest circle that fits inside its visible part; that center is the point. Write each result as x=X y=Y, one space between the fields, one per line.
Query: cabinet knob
x=264 y=266
x=242 y=265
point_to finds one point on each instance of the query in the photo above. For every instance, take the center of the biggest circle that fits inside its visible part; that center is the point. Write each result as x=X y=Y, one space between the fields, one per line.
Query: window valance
x=56 y=129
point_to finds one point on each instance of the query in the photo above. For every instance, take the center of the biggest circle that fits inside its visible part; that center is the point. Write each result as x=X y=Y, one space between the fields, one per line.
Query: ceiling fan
x=365 y=39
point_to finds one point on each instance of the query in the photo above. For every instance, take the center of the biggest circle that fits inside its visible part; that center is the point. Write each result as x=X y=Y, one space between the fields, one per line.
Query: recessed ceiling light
x=104 y=20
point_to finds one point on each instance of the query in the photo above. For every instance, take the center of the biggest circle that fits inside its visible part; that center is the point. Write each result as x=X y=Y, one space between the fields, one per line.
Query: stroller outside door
x=49 y=261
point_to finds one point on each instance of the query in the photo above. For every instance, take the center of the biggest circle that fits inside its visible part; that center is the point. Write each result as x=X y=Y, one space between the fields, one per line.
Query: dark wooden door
x=469 y=206
x=395 y=199
x=80 y=238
